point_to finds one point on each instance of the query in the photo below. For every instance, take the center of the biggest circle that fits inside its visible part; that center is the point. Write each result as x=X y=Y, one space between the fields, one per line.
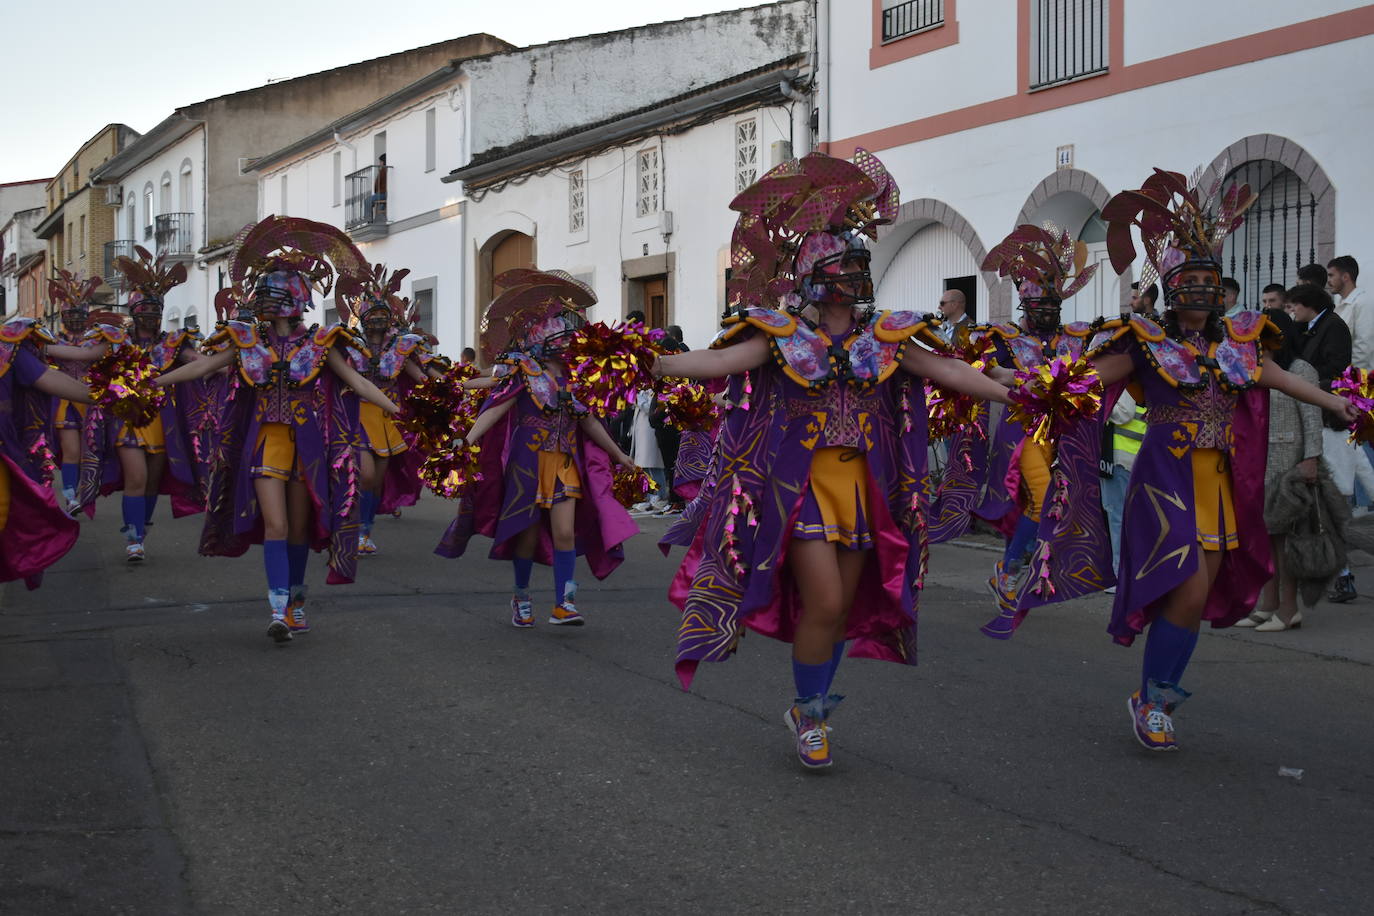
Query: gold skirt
x=383 y=437
x=558 y=479
x=835 y=508
x=1035 y=477
x=151 y=438
x=1213 y=500
x=275 y=454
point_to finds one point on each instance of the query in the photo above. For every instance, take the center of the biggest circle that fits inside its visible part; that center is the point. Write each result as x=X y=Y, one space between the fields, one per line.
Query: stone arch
x=915 y=215
x=1060 y=184
x=1291 y=155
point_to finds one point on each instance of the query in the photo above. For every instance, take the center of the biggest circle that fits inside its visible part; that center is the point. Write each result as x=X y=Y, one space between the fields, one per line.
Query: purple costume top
x=285 y=380
x=815 y=392
x=35 y=533
x=546 y=417
x=1198 y=395
x=101 y=472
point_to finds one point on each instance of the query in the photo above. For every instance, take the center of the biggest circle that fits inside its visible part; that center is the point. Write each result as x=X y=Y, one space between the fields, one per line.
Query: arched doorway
x=1290 y=225
x=1072 y=200
x=506 y=250
x=928 y=249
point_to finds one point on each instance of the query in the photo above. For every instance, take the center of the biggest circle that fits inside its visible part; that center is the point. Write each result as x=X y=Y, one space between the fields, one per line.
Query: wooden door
x=656 y=302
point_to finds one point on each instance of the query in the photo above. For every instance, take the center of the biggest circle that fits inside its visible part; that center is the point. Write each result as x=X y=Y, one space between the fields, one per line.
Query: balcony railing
x=173 y=234
x=1068 y=41
x=914 y=16
x=365 y=202
x=122 y=248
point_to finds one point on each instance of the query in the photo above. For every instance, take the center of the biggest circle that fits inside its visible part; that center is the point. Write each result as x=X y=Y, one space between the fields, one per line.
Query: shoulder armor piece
x=17 y=329
x=105 y=333
x=771 y=322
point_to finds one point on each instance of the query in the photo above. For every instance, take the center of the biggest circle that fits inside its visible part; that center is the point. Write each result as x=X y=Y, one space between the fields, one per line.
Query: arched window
x=186 y=199
x=148 y=210
x=166 y=200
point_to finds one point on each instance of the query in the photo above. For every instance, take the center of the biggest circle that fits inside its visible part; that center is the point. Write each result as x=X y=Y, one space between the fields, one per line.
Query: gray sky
x=73 y=67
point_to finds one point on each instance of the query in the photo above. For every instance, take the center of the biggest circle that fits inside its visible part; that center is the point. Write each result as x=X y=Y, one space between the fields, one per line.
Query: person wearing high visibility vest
x=1127 y=426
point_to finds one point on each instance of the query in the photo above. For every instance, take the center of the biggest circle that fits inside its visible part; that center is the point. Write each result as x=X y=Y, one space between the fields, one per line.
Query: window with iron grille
x=906 y=17
x=577 y=200
x=1068 y=41
x=647 y=199
x=1279 y=232
x=746 y=153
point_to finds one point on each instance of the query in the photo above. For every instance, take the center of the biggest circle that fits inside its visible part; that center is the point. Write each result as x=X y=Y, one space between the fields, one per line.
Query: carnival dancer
x=285 y=468
x=546 y=488
x=815 y=533
x=34 y=532
x=1048 y=267
x=1194 y=543
x=73 y=297
x=137 y=459
x=392 y=362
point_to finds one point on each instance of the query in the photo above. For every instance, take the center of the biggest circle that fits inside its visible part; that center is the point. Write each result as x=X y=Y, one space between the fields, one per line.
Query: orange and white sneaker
x=1152 y=715
x=366 y=547
x=813 y=737
x=278 y=629
x=565 y=614
x=295 y=613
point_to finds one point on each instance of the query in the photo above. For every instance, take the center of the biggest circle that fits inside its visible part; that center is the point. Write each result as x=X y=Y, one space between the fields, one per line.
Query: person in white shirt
x=1230 y=297
x=1354 y=309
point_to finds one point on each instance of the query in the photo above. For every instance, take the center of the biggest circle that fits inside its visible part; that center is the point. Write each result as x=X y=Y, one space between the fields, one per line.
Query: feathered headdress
x=1045 y=263
x=769 y=254
x=533 y=306
x=1177 y=224
x=317 y=251
x=70 y=292
x=149 y=277
x=234 y=302
x=358 y=295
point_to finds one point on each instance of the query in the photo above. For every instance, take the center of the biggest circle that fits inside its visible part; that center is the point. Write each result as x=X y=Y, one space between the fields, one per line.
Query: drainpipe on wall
x=822 y=72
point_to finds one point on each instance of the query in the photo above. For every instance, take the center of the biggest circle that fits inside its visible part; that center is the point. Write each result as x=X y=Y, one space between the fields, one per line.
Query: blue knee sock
x=369 y=502
x=297 y=556
x=150 y=506
x=835 y=660
x=1167 y=651
x=523 y=567
x=810 y=680
x=278 y=565
x=1020 y=542
x=134 y=517
x=71 y=475
x=564 y=565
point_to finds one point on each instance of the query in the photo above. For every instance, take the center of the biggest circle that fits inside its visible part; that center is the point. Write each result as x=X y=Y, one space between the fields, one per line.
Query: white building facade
x=334 y=176
x=992 y=113
x=158 y=186
x=615 y=157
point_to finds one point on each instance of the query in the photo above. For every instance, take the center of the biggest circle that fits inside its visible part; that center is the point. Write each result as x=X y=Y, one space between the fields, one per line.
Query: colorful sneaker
x=565 y=614
x=1005 y=587
x=813 y=740
x=295 y=613
x=521 y=612
x=366 y=547
x=279 y=629
x=133 y=552
x=792 y=718
x=1152 y=715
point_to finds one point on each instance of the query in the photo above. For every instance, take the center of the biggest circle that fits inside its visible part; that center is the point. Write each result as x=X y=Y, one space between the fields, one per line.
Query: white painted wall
x=551 y=88
x=195 y=296
x=432 y=246
x=1155 y=28
x=698 y=183
x=914 y=280
x=987 y=173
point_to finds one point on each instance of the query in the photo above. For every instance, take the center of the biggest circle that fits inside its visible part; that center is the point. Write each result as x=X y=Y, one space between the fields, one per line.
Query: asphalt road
x=416 y=754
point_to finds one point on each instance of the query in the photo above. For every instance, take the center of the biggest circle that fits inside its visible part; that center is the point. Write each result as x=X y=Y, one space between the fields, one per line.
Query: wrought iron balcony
x=173 y=235
x=122 y=248
x=365 y=202
x=911 y=17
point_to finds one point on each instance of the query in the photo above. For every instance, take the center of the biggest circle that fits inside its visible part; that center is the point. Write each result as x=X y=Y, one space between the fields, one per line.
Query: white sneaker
x=133 y=552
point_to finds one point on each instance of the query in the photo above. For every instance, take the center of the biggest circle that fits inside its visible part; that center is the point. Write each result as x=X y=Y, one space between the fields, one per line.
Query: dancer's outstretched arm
x=954 y=374
x=1114 y=368
x=196 y=368
x=361 y=386
x=597 y=433
x=482 y=381
x=1279 y=379
x=77 y=354
x=736 y=358
x=61 y=385
x=486 y=420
